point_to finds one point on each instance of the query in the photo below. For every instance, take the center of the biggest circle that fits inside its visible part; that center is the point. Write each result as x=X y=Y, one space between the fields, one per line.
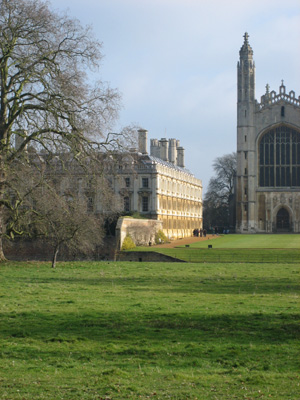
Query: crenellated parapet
x=270 y=98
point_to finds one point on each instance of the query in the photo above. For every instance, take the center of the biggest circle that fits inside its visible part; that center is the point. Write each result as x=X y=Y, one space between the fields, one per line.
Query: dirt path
x=184 y=241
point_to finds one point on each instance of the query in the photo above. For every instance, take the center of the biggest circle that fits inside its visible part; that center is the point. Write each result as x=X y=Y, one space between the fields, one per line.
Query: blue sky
x=174 y=62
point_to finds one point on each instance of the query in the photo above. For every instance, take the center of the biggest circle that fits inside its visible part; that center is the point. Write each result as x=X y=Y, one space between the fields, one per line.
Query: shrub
x=134 y=214
x=137 y=215
x=128 y=243
x=160 y=237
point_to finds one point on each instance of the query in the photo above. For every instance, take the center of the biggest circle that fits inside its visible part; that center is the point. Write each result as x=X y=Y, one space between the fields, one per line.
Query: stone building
x=158 y=186
x=268 y=154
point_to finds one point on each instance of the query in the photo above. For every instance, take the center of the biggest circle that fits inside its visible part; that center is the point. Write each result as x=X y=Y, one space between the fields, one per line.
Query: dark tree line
x=219 y=208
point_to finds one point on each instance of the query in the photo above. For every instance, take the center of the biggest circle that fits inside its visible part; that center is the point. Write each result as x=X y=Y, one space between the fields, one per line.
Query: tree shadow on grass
x=114 y=326
x=213 y=284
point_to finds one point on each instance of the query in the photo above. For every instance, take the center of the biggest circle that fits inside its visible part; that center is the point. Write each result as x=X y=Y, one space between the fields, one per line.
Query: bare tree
x=55 y=200
x=64 y=223
x=225 y=169
x=218 y=209
x=47 y=102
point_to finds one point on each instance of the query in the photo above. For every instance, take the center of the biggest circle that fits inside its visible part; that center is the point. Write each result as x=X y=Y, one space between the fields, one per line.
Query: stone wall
x=270 y=202
x=141 y=231
x=39 y=250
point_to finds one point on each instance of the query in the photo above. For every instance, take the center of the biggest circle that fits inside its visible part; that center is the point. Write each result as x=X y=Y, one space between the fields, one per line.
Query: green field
x=149 y=331
x=285 y=241
x=237 y=248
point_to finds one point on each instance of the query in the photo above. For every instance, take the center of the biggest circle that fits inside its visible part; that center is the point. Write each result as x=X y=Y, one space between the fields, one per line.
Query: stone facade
x=158 y=186
x=268 y=155
x=141 y=231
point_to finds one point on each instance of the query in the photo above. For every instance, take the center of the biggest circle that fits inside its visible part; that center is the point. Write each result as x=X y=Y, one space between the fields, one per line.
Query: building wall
x=268 y=205
x=174 y=195
x=257 y=207
x=179 y=202
x=141 y=231
x=157 y=188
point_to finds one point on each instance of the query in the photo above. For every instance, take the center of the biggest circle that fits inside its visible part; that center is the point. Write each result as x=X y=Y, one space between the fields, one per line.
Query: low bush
x=160 y=237
x=128 y=243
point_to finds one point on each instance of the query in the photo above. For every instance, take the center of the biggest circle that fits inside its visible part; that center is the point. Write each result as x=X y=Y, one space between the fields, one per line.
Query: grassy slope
x=238 y=248
x=149 y=330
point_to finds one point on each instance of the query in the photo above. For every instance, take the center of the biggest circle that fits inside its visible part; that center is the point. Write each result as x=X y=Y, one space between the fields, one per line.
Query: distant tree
x=46 y=100
x=64 y=223
x=218 y=208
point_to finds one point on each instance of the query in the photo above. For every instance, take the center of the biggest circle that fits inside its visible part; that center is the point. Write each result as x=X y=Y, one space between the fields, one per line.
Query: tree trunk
x=56 y=250
x=2 y=256
x=2 y=190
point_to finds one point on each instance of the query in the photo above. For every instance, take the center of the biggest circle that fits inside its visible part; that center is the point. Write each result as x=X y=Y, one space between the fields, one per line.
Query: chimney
x=20 y=138
x=180 y=157
x=173 y=151
x=154 y=148
x=164 y=149
x=143 y=140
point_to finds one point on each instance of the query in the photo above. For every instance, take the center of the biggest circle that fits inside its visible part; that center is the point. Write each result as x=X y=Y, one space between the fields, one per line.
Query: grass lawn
x=285 y=241
x=237 y=248
x=149 y=331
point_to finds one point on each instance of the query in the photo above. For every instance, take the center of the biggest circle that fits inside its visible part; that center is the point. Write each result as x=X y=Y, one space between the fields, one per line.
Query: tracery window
x=279 y=158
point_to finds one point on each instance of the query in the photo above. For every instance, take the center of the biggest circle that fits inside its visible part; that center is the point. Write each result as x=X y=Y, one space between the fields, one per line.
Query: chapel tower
x=268 y=154
x=245 y=137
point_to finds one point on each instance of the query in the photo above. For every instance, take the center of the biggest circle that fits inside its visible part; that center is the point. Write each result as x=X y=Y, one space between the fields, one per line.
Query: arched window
x=283 y=219
x=279 y=158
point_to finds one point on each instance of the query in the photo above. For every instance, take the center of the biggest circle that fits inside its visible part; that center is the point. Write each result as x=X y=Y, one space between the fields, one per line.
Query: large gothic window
x=279 y=158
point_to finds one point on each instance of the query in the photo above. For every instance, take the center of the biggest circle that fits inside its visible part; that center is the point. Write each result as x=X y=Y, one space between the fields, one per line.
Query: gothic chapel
x=268 y=155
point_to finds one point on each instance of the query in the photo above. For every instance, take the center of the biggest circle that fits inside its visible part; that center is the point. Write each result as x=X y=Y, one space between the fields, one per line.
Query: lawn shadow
x=118 y=326
x=200 y=283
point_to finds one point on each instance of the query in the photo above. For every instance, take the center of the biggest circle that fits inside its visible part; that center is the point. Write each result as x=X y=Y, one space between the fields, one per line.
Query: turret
x=246 y=73
x=245 y=138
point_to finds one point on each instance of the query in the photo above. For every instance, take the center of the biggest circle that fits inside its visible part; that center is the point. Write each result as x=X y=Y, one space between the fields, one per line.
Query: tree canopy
x=48 y=102
x=45 y=93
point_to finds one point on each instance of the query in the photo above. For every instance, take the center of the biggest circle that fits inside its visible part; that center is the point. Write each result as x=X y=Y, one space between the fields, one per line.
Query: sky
x=175 y=64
